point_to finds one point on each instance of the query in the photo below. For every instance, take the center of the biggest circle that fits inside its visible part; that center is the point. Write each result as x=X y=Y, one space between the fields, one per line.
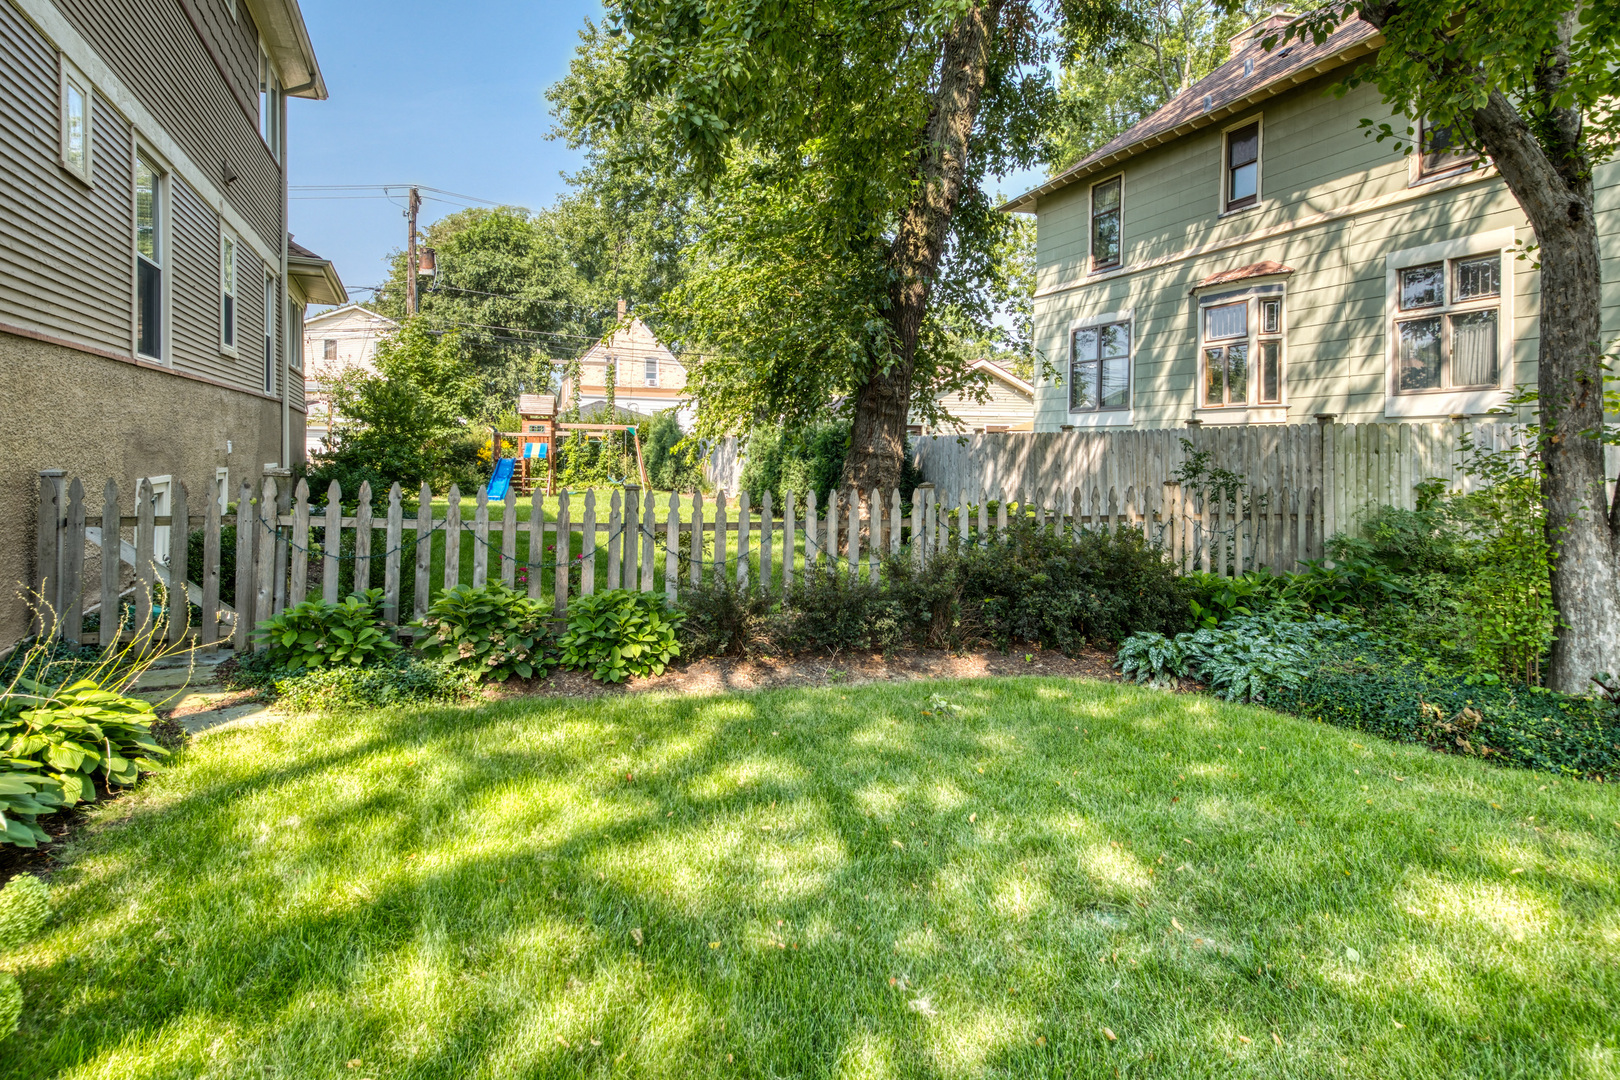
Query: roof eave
x=1026 y=203
x=286 y=38
x=319 y=280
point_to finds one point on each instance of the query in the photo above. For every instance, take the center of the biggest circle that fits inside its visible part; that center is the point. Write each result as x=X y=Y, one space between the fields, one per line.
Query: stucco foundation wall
x=99 y=418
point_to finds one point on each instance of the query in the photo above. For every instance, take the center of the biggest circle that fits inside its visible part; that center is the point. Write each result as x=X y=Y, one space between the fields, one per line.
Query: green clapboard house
x=1248 y=255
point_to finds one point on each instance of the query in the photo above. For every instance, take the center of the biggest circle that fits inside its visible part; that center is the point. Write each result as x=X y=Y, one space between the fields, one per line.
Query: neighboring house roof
x=996 y=371
x=349 y=309
x=286 y=39
x=1222 y=93
x=317 y=277
x=633 y=342
x=1267 y=268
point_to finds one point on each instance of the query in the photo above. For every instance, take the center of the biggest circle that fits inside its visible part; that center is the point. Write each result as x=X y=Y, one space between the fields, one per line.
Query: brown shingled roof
x=295 y=248
x=1222 y=93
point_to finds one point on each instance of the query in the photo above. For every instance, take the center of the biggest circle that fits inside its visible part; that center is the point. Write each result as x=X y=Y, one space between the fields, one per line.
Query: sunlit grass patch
x=987 y=878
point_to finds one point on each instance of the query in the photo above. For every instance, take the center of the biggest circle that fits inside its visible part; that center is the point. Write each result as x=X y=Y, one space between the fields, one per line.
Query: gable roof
x=1222 y=93
x=350 y=309
x=633 y=342
x=996 y=371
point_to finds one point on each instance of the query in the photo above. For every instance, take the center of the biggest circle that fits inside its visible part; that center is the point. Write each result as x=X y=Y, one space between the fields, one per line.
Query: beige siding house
x=150 y=296
x=336 y=341
x=1247 y=255
x=1009 y=407
x=648 y=379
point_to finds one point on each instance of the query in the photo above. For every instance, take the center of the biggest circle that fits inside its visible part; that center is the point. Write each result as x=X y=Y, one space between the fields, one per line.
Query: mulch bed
x=719 y=675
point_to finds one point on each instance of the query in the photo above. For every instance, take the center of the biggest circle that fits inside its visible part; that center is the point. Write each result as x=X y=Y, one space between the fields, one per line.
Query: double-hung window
x=1439 y=150
x=227 y=292
x=150 y=245
x=269 y=104
x=76 y=117
x=1241 y=173
x=295 y=334
x=1105 y=214
x=1448 y=324
x=1100 y=367
x=269 y=334
x=1242 y=343
x=652 y=371
x=329 y=348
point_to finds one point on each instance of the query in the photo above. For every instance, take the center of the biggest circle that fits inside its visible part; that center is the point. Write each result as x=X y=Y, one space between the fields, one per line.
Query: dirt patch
x=719 y=675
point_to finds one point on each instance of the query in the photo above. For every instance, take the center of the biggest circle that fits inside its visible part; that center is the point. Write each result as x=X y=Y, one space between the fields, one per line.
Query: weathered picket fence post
x=179 y=601
x=72 y=625
x=424 y=551
x=47 y=567
x=246 y=551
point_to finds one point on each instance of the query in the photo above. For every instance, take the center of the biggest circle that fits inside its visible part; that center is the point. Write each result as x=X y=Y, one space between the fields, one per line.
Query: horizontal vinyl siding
x=65 y=249
x=152 y=47
x=196 y=289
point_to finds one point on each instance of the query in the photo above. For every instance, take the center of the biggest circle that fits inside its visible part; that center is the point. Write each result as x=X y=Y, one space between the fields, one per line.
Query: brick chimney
x=624 y=306
x=1279 y=17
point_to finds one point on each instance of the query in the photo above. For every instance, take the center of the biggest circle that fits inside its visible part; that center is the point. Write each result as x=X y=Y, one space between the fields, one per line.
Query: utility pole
x=410 y=254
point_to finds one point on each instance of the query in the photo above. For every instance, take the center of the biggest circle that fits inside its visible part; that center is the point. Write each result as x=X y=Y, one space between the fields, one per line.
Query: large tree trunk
x=883 y=401
x=1550 y=176
x=1556 y=194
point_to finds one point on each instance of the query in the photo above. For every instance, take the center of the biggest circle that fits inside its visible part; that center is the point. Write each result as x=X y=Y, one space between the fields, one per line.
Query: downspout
x=286 y=304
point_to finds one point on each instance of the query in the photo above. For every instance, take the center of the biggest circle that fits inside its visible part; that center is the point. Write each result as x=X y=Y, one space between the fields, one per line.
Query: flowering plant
x=495 y=631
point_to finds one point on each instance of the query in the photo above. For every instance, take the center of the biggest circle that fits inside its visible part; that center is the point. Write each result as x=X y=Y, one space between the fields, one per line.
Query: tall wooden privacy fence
x=282 y=547
x=1355 y=466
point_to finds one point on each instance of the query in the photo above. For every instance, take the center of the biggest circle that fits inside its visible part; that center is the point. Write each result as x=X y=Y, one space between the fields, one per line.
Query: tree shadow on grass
x=833 y=882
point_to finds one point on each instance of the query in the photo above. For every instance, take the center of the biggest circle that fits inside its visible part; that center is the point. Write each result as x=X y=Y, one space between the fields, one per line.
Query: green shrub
x=668 y=469
x=405 y=680
x=1062 y=592
x=722 y=618
x=227 y=559
x=801 y=460
x=492 y=631
x=827 y=612
x=1373 y=689
x=1246 y=658
x=314 y=633
x=620 y=633
x=25 y=794
x=75 y=733
x=25 y=904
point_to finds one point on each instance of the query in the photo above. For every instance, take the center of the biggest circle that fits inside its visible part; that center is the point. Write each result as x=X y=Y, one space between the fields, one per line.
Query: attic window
x=1209 y=102
x=1248 y=67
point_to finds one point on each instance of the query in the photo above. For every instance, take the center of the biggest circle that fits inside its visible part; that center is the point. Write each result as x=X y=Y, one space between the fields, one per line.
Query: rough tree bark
x=1551 y=177
x=883 y=401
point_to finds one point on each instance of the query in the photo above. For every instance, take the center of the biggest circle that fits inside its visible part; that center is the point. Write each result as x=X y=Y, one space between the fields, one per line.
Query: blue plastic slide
x=502 y=479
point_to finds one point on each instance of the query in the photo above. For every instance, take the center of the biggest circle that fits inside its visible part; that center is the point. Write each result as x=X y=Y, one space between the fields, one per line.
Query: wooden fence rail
x=286 y=548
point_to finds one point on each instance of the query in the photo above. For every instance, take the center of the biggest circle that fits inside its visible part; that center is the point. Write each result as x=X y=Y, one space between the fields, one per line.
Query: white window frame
x=269 y=103
x=1221 y=210
x=295 y=332
x=1091 y=226
x=72 y=78
x=329 y=350
x=161 y=486
x=1098 y=416
x=1251 y=410
x=1450 y=402
x=272 y=300
x=222 y=486
x=651 y=371
x=163 y=249
x=1421 y=176
x=230 y=285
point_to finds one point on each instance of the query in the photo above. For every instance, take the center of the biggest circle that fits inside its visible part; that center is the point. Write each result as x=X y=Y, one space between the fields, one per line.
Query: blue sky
x=447 y=97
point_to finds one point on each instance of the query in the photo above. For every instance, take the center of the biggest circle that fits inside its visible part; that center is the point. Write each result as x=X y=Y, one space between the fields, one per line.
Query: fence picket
x=72 y=560
x=767 y=526
x=509 y=531
x=264 y=585
x=208 y=620
x=830 y=520
x=563 y=552
x=246 y=531
x=790 y=541
x=648 y=531
x=178 y=600
x=744 y=527
x=143 y=557
x=672 y=548
x=480 y=531
x=535 y=565
x=853 y=556
x=393 y=538
x=720 y=530
x=424 y=551
x=331 y=541
x=452 y=538
x=694 y=566
x=812 y=535
x=896 y=528
x=298 y=586
x=110 y=612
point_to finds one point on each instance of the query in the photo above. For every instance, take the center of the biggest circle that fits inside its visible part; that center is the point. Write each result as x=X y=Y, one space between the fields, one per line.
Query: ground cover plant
x=1005 y=878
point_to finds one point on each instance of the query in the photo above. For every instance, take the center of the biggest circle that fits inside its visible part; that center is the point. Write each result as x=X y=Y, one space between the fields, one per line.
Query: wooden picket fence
x=288 y=548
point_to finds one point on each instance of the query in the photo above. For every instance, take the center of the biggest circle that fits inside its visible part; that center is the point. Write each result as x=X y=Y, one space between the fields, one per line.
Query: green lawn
x=947 y=879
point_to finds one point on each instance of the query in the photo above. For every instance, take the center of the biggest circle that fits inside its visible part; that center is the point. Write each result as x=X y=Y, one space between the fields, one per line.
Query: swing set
x=539 y=440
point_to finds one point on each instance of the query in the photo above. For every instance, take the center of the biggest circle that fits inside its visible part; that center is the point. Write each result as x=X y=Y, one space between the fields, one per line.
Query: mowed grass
x=1009 y=878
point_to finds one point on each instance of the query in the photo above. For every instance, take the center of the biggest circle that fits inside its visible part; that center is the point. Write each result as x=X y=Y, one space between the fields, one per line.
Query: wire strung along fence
x=209 y=576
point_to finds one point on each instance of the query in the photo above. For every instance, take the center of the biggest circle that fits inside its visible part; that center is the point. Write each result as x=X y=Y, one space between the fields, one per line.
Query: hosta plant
x=78 y=732
x=1242 y=660
x=494 y=631
x=314 y=633
x=25 y=794
x=620 y=633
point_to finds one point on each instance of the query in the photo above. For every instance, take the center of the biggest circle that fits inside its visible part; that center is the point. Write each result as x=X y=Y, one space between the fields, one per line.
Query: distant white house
x=336 y=341
x=1010 y=407
x=648 y=379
